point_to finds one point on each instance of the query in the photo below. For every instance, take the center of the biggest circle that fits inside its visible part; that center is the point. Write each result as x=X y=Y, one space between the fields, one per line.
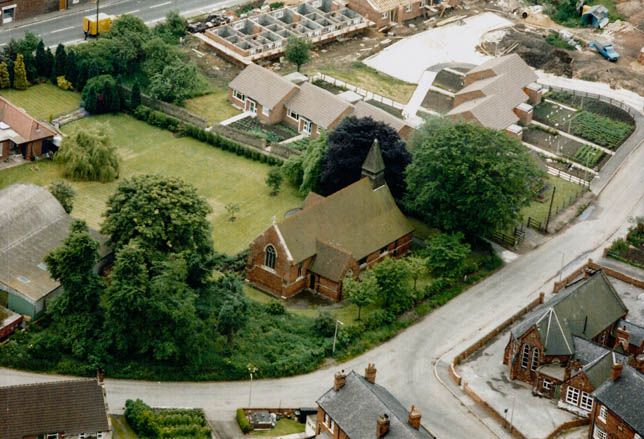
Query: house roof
x=637 y=332
x=33 y=224
x=490 y=111
x=625 y=397
x=330 y=261
x=363 y=109
x=318 y=105
x=71 y=407
x=358 y=219
x=583 y=309
x=504 y=64
x=599 y=370
x=22 y=127
x=587 y=351
x=262 y=85
x=356 y=406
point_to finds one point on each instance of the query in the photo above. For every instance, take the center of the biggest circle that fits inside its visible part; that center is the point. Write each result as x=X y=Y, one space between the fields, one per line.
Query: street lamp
x=335 y=336
x=251 y=369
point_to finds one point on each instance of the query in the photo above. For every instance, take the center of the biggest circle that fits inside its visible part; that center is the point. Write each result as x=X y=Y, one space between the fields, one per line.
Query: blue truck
x=606 y=50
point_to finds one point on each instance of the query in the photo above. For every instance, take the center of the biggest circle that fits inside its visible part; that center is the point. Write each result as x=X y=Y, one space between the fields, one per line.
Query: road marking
x=132 y=12
x=62 y=30
x=160 y=4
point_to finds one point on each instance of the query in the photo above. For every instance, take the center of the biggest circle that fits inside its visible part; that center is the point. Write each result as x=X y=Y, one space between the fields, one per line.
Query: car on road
x=606 y=50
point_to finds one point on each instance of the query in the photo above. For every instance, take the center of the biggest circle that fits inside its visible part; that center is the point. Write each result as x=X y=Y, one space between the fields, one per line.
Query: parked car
x=606 y=50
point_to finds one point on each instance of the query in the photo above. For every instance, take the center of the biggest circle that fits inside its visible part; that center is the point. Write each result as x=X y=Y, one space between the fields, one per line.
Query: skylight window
x=23 y=279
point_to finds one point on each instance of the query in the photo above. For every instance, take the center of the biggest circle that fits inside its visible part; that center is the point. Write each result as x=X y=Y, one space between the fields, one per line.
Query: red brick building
x=331 y=237
x=22 y=134
x=12 y=10
x=356 y=407
x=618 y=412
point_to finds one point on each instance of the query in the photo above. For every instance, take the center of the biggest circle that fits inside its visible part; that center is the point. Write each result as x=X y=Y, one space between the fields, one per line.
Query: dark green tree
x=135 y=96
x=60 y=62
x=41 y=60
x=298 y=51
x=177 y=82
x=348 y=146
x=468 y=178
x=49 y=63
x=158 y=55
x=122 y=102
x=172 y=29
x=232 y=305
x=392 y=277
x=446 y=255
x=77 y=310
x=274 y=180
x=71 y=67
x=313 y=163
x=93 y=70
x=64 y=193
x=98 y=94
x=83 y=74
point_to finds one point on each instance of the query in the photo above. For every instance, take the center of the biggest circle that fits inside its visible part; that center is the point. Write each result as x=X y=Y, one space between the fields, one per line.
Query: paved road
x=405 y=363
x=66 y=27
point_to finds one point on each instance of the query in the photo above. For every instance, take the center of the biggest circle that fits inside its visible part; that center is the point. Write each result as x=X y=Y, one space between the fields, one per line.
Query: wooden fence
x=510 y=239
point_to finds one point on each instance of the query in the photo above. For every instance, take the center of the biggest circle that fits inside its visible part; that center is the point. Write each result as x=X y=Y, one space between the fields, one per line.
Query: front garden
x=154 y=423
x=271 y=133
x=630 y=249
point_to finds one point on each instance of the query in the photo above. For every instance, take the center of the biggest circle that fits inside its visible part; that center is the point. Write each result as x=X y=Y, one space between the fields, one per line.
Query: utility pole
x=335 y=336
x=554 y=190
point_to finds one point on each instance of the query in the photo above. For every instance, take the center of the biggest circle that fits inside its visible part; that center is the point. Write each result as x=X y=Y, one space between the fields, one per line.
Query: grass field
x=214 y=106
x=220 y=177
x=565 y=190
x=43 y=100
x=282 y=428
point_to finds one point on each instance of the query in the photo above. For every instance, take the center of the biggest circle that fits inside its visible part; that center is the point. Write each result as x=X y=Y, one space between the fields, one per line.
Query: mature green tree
x=274 y=180
x=126 y=41
x=5 y=81
x=177 y=82
x=164 y=213
x=417 y=267
x=49 y=63
x=20 y=74
x=98 y=94
x=71 y=67
x=122 y=94
x=172 y=29
x=64 y=193
x=41 y=60
x=446 y=255
x=360 y=293
x=312 y=164
x=348 y=146
x=60 y=62
x=135 y=96
x=232 y=305
x=77 y=310
x=298 y=51
x=468 y=178
x=26 y=45
x=88 y=154
x=158 y=55
x=392 y=278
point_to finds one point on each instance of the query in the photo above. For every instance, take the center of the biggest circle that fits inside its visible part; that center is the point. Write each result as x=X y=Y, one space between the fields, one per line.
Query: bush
x=243 y=421
x=379 y=319
x=89 y=155
x=620 y=245
x=275 y=308
x=141 y=418
x=101 y=95
x=64 y=193
x=276 y=5
x=63 y=83
x=491 y=262
x=324 y=324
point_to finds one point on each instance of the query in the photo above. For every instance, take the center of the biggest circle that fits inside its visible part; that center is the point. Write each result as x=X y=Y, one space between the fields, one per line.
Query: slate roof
x=27 y=128
x=625 y=397
x=358 y=219
x=32 y=224
x=490 y=111
x=374 y=162
x=637 y=332
x=71 y=407
x=318 y=105
x=356 y=406
x=363 y=109
x=587 y=351
x=262 y=85
x=583 y=309
x=330 y=261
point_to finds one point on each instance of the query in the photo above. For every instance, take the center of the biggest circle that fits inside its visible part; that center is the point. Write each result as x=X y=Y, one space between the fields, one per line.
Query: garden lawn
x=213 y=107
x=282 y=428
x=220 y=177
x=370 y=79
x=565 y=190
x=44 y=100
x=121 y=429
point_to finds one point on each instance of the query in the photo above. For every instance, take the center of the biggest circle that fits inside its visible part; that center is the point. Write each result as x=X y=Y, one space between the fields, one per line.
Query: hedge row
x=162 y=120
x=243 y=421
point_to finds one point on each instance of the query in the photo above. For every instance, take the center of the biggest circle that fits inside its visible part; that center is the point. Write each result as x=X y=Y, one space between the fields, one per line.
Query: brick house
x=563 y=348
x=331 y=237
x=617 y=413
x=62 y=409
x=304 y=106
x=498 y=94
x=358 y=408
x=13 y=10
x=21 y=133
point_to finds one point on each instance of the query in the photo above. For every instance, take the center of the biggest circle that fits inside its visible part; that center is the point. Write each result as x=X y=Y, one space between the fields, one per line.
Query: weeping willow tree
x=88 y=154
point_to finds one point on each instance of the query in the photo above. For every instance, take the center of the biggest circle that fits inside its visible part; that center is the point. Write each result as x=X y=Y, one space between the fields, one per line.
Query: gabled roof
x=637 y=332
x=71 y=407
x=356 y=406
x=330 y=261
x=490 y=111
x=318 y=105
x=33 y=223
x=600 y=369
x=363 y=109
x=262 y=85
x=26 y=127
x=625 y=397
x=357 y=219
x=512 y=63
x=584 y=309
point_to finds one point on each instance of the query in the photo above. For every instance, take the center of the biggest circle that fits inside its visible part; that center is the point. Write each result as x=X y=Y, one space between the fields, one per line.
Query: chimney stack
x=616 y=371
x=414 y=417
x=340 y=378
x=383 y=426
x=100 y=376
x=623 y=337
x=370 y=373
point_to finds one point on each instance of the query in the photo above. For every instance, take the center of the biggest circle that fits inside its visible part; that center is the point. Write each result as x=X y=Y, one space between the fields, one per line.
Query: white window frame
x=572 y=396
x=599 y=433
x=384 y=15
x=586 y=402
x=266 y=111
x=99 y=435
x=82 y=436
x=52 y=436
x=239 y=95
x=331 y=425
x=547 y=384
x=535 y=360
x=252 y=106
x=602 y=413
x=292 y=114
x=409 y=8
x=13 y=15
x=525 y=357
x=307 y=123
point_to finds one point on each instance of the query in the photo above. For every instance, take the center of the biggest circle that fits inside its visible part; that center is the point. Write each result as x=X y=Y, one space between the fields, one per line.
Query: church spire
x=373 y=166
